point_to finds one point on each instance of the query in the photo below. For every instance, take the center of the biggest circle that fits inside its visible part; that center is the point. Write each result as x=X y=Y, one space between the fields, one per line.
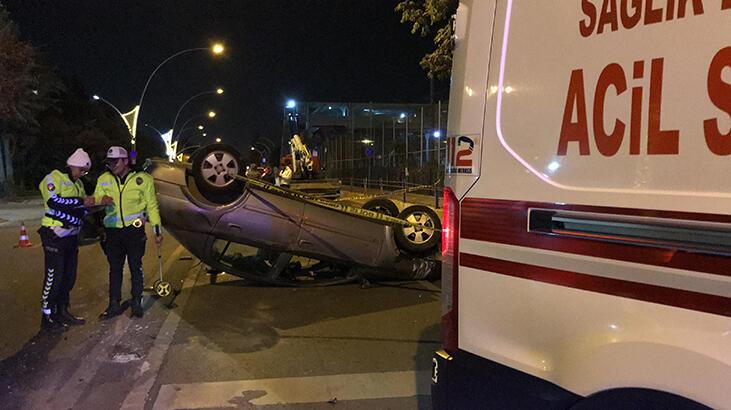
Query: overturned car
x=268 y=234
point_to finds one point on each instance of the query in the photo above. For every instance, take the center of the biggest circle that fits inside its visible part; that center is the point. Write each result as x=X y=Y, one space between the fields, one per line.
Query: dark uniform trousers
x=61 y=257
x=125 y=243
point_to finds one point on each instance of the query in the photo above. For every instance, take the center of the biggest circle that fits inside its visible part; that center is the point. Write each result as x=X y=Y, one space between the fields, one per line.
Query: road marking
x=137 y=396
x=88 y=368
x=291 y=390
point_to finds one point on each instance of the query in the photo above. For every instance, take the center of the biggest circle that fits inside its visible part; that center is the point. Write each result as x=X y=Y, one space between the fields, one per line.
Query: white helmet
x=116 y=152
x=79 y=159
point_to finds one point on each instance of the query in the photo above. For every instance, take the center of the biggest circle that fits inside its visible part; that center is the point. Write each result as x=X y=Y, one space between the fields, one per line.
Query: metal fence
x=397 y=143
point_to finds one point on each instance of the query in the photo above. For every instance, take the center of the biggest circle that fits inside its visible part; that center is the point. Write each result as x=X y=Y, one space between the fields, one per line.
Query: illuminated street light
x=205 y=134
x=130 y=118
x=367 y=141
x=253 y=149
x=402 y=116
x=218 y=139
x=291 y=104
x=216 y=49
x=200 y=127
x=437 y=134
x=186 y=122
x=218 y=91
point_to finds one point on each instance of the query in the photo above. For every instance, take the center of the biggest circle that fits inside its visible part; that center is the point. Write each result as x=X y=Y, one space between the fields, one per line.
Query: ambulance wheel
x=163 y=288
x=422 y=238
x=214 y=169
x=381 y=205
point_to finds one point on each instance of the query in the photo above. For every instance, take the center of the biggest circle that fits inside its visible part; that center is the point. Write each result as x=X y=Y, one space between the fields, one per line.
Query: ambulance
x=587 y=222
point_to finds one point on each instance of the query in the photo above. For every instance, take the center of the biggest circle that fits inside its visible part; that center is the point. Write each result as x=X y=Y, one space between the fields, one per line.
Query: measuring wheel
x=162 y=288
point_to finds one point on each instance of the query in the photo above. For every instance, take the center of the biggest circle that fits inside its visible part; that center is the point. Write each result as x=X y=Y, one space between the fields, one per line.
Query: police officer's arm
x=55 y=201
x=100 y=193
x=153 y=211
x=99 y=190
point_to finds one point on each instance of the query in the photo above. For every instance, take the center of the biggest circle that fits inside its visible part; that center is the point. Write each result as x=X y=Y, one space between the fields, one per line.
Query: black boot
x=137 y=310
x=114 y=309
x=52 y=322
x=68 y=318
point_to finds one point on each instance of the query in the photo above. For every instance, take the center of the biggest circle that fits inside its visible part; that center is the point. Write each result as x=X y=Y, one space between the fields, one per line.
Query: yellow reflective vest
x=63 y=200
x=134 y=200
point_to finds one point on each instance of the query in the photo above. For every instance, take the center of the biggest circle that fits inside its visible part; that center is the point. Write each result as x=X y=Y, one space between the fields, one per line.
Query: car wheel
x=215 y=168
x=381 y=205
x=418 y=239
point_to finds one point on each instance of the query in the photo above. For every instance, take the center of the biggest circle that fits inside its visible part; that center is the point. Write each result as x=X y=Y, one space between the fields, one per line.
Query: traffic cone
x=24 y=242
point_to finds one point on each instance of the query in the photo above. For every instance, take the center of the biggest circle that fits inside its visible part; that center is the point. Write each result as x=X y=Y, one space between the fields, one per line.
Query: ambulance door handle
x=655 y=232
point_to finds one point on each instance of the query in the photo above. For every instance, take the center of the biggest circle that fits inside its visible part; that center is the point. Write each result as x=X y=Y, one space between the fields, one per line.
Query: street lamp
x=97 y=98
x=216 y=49
x=218 y=91
x=210 y=114
x=170 y=146
x=130 y=118
x=218 y=139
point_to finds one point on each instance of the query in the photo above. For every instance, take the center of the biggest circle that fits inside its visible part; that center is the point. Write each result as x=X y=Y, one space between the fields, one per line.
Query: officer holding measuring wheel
x=134 y=205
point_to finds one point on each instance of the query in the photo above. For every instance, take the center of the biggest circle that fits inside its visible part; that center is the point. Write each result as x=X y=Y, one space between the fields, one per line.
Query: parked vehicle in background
x=587 y=219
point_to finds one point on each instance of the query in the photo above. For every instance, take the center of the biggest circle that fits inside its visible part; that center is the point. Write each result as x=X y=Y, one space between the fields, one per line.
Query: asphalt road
x=231 y=344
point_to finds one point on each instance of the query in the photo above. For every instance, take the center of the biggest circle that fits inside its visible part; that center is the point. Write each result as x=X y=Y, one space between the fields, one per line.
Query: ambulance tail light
x=450 y=266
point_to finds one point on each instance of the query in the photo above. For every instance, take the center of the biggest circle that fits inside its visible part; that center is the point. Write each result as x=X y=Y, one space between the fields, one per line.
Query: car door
x=262 y=219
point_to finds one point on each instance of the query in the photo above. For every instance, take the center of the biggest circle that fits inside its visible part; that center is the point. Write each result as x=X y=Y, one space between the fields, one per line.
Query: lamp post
x=98 y=98
x=216 y=49
x=170 y=146
x=127 y=118
x=217 y=91
x=209 y=114
x=291 y=104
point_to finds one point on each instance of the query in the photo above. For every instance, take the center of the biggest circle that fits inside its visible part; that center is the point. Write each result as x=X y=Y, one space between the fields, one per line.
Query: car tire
x=214 y=168
x=382 y=205
x=418 y=240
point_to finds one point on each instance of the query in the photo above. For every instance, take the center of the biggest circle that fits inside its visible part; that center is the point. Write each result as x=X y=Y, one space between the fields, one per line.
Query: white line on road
x=88 y=368
x=292 y=390
x=137 y=396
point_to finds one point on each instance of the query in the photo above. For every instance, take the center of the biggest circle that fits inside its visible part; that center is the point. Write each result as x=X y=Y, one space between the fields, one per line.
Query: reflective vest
x=134 y=200
x=63 y=200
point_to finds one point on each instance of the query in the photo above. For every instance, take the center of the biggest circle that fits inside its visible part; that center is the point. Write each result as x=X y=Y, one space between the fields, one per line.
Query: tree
x=425 y=16
x=27 y=88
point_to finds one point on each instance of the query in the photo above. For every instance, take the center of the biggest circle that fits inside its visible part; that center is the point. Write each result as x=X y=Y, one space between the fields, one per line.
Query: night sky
x=315 y=50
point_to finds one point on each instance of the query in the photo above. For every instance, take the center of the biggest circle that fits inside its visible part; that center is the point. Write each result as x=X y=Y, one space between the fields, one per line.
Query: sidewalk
x=12 y=213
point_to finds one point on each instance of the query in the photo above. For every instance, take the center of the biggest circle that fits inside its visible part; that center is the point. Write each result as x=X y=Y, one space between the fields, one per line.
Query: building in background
x=372 y=140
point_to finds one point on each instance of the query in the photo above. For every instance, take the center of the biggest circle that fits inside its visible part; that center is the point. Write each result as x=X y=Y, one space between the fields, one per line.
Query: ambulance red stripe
x=502 y=221
x=702 y=302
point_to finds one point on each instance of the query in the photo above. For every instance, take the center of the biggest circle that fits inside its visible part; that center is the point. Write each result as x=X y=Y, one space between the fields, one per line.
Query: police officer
x=135 y=204
x=64 y=201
